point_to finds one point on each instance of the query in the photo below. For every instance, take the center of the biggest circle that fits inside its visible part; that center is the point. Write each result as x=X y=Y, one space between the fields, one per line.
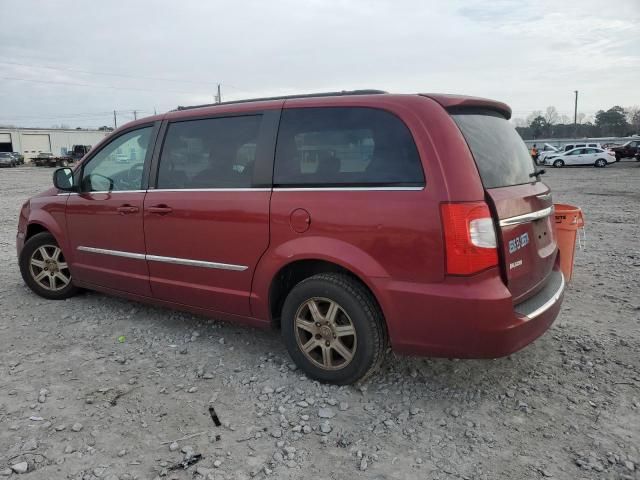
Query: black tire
x=601 y=163
x=361 y=311
x=558 y=164
x=46 y=240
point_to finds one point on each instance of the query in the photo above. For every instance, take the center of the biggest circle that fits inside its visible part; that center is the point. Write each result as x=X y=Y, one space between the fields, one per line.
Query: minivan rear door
x=521 y=203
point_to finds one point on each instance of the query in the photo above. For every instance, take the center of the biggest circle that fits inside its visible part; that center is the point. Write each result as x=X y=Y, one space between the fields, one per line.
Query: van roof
x=446 y=100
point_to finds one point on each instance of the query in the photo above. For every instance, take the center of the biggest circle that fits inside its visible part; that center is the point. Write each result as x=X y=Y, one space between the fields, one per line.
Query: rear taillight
x=470 y=237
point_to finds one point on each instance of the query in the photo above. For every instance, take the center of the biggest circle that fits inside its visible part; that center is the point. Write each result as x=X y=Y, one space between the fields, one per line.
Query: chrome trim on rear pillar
x=527 y=217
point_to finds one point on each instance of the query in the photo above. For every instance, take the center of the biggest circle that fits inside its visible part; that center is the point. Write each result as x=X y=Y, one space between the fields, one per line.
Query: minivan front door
x=104 y=219
x=207 y=222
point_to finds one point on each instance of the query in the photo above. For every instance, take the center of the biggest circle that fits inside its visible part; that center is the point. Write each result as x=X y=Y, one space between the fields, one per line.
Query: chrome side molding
x=157 y=258
x=113 y=253
x=527 y=217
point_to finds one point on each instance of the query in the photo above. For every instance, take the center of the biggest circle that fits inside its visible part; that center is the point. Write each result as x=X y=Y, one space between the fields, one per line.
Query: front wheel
x=333 y=328
x=44 y=268
x=601 y=163
x=558 y=164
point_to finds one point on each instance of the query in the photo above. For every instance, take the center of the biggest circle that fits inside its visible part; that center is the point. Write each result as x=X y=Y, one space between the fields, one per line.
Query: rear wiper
x=537 y=173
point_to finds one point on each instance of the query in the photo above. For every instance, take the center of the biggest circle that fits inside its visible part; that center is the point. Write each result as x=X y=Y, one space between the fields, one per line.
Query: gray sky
x=141 y=55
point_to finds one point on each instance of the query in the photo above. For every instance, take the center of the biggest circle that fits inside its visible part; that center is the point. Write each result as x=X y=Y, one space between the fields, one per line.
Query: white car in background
x=545 y=151
x=581 y=156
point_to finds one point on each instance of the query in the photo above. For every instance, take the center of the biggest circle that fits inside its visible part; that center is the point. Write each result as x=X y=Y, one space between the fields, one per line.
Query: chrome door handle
x=125 y=209
x=160 y=209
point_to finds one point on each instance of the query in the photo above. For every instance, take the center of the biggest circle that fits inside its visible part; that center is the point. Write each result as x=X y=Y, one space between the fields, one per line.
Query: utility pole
x=219 y=96
x=115 y=120
x=135 y=114
x=575 y=112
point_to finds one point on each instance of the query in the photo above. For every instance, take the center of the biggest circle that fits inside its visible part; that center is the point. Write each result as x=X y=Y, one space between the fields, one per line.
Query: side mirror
x=63 y=179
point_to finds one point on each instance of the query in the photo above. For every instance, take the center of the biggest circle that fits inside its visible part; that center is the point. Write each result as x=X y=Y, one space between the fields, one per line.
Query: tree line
x=614 y=122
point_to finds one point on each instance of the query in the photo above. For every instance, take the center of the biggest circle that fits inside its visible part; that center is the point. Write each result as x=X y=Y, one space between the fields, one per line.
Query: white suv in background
x=571 y=146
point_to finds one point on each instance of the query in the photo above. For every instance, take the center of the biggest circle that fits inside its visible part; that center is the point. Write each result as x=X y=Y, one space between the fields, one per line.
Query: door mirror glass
x=98 y=183
x=63 y=179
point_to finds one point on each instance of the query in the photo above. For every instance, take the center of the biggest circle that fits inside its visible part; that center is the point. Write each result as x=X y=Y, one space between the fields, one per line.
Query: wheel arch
x=284 y=267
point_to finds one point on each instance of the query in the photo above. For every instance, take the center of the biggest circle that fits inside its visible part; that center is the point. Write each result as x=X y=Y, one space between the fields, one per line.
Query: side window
x=345 y=147
x=118 y=165
x=209 y=153
x=578 y=151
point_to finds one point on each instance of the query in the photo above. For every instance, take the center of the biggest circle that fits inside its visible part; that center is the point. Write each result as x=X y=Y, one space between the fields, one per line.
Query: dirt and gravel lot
x=76 y=403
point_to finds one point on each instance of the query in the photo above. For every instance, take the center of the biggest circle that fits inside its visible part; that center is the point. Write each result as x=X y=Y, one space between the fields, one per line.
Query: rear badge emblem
x=516 y=264
x=519 y=242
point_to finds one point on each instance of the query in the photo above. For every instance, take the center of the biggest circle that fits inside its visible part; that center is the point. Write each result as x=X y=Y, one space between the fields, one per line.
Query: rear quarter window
x=345 y=146
x=500 y=153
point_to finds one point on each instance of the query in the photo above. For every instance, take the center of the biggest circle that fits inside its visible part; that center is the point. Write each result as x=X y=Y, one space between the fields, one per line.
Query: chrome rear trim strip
x=151 y=190
x=196 y=263
x=114 y=253
x=348 y=189
x=157 y=258
x=549 y=303
x=527 y=217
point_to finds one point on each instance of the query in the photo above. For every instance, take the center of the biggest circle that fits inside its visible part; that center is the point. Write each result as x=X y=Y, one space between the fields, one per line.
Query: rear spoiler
x=455 y=102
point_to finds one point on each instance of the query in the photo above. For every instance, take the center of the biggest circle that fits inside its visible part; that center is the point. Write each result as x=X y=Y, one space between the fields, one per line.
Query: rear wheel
x=601 y=163
x=44 y=268
x=558 y=164
x=333 y=328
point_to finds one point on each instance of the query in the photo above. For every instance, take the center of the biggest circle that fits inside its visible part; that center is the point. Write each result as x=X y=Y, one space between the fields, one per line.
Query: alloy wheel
x=49 y=269
x=325 y=334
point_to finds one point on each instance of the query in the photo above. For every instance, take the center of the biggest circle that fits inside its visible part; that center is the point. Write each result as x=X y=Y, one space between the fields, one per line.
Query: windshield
x=500 y=154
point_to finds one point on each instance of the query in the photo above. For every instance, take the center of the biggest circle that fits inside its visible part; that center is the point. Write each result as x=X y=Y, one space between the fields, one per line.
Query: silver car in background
x=596 y=157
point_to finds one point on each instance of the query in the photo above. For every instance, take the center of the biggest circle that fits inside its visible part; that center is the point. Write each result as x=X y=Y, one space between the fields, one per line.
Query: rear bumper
x=467 y=318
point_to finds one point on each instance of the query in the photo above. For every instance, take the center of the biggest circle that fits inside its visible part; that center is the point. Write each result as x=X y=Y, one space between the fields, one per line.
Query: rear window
x=342 y=147
x=500 y=154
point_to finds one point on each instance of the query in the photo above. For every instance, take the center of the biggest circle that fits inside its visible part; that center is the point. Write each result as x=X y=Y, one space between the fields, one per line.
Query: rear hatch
x=521 y=204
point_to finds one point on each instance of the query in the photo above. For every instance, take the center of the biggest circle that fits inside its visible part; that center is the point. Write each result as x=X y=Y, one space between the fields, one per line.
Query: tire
x=46 y=277
x=357 y=319
x=558 y=164
x=601 y=163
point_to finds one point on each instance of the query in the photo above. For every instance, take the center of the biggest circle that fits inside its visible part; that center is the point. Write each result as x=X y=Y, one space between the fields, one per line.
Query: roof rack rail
x=287 y=97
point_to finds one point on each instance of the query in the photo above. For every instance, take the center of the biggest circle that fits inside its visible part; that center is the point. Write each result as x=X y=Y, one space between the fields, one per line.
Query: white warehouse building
x=32 y=141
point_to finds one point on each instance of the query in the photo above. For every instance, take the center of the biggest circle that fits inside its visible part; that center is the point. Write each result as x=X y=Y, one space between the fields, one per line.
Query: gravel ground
x=76 y=403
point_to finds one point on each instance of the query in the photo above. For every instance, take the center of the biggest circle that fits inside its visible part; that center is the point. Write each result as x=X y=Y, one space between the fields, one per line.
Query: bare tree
x=565 y=120
x=533 y=115
x=551 y=116
x=633 y=116
x=520 y=122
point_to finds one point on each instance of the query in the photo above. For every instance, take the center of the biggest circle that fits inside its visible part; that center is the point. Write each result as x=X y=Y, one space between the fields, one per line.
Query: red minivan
x=349 y=220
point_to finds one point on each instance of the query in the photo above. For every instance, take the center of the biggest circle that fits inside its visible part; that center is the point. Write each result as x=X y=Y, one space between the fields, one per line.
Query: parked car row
x=11 y=159
x=587 y=154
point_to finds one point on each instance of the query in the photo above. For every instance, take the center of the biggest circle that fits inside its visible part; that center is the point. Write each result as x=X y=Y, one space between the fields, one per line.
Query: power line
x=111 y=74
x=92 y=85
